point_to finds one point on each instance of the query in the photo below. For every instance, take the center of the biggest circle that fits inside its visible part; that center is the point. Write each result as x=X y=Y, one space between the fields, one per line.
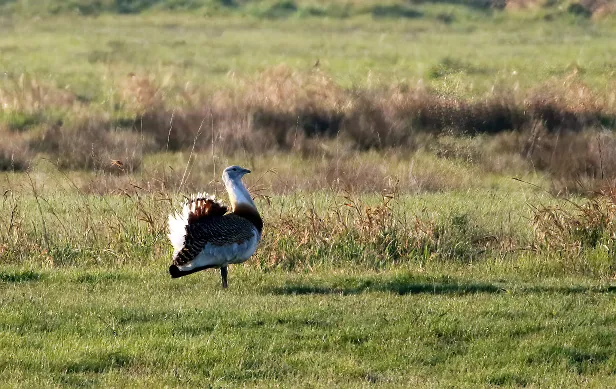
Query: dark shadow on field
x=19 y=276
x=401 y=285
x=409 y=284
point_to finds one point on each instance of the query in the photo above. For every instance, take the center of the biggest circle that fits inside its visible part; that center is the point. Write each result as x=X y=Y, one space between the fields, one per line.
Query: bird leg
x=223 y=274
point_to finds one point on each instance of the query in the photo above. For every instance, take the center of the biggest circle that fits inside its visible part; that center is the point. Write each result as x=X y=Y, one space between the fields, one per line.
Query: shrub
x=90 y=144
x=569 y=105
x=394 y=11
x=571 y=158
x=273 y=9
x=15 y=154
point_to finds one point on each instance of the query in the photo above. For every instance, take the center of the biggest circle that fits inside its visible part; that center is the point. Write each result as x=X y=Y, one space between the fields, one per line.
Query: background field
x=436 y=180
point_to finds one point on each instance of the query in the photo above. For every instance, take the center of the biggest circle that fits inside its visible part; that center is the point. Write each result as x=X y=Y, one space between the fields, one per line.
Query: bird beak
x=246 y=171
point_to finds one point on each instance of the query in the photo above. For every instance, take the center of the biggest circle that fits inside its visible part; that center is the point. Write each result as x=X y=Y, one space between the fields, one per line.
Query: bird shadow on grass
x=411 y=284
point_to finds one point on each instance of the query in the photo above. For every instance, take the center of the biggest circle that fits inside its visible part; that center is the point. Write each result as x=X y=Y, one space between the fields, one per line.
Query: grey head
x=234 y=173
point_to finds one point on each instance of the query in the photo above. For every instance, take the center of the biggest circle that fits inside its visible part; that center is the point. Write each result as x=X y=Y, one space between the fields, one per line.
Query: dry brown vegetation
x=86 y=145
x=571 y=231
x=376 y=235
x=595 y=8
x=286 y=110
x=574 y=160
x=14 y=153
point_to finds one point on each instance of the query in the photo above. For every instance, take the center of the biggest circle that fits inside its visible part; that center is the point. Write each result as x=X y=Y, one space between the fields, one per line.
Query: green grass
x=133 y=326
x=86 y=300
x=358 y=51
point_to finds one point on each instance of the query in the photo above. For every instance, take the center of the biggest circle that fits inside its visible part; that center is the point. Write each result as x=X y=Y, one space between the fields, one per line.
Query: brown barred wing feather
x=203 y=207
x=217 y=231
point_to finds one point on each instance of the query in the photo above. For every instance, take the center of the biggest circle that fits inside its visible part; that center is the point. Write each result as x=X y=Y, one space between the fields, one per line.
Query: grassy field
x=447 y=289
x=436 y=328
x=360 y=51
x=436 y=181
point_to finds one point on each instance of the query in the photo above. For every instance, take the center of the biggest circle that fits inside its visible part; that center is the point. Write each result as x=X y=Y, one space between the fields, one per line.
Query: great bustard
x=205 y=236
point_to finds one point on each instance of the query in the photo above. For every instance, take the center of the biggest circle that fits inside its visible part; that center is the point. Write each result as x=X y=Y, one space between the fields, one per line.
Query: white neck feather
x=238 y=194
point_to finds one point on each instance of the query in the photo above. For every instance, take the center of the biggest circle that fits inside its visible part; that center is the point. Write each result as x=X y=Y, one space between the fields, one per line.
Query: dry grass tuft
x=570 y=229
x=370 y=123
x=284 y=104
x=282 y=90
x=604 y=9
x=348 y=233
x=376 y=234
x=355 y=176
x=598 y=8
x=141 y=94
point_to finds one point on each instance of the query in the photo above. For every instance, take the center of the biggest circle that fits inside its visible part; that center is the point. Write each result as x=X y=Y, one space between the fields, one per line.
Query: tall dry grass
x=283 y=105
x=578 y=236
x=290 y=111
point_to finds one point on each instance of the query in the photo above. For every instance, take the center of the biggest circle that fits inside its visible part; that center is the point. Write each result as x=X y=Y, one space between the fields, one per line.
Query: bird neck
x=242 y=204
x=238 y=194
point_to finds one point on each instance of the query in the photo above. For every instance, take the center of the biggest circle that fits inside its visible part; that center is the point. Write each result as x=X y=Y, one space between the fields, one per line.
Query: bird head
x=234 y=173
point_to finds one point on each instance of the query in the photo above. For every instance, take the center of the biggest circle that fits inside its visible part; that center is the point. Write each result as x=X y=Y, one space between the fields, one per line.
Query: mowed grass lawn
x=458 y=327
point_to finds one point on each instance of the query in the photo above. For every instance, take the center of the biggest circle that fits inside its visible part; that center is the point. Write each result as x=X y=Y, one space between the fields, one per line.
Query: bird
x=205 y=235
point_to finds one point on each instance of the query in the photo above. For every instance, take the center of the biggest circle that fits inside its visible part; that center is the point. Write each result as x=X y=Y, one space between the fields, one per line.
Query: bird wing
x=195 y=209
x=213 y=230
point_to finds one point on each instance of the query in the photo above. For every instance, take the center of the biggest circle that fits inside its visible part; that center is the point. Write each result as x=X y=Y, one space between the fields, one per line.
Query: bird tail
x=175 y=271
x=196 y=208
